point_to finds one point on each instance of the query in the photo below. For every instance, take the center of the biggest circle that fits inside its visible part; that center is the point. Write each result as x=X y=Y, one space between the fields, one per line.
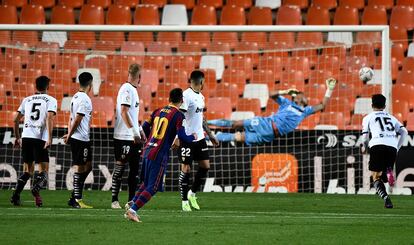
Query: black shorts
x=381 y=157
x=196 y=151
x=33 y=151
x=127 y=151
x=81 y=151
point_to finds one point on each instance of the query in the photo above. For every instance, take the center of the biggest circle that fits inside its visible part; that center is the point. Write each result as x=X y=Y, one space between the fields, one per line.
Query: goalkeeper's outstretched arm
x=330 y=85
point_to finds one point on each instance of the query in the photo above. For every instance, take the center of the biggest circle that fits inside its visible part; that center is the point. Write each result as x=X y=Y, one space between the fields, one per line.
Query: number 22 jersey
x=382 y=127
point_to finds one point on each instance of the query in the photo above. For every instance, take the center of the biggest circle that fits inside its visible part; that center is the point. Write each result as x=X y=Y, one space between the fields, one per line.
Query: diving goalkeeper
x=291 y=113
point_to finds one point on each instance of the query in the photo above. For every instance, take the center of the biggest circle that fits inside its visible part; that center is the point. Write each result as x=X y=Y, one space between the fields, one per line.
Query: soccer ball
x=366 y=74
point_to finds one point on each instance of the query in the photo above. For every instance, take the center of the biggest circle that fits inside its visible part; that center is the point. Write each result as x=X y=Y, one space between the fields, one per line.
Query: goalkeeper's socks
x=199 y=179
x=21 y=182
x=117 y=180
x=225 y=137
x=39 y=182
x=183 y=182
x=380 y=188
x=221 y=123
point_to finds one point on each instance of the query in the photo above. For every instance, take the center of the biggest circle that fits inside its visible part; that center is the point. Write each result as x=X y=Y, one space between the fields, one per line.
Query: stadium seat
x=362 y=106
x=271 y=107
x=282 y=39
x=96 y=82
x=410 y=51
x=130 y=3
x=237 y=77
x=118 y=15
x=291 y=79
x=72 y=3
x=164 y=88
x=155 y=63
x=99 y=62
x=62 y=119
x=315 y=90
x=110 y=46
x=408 y=64
x=309 y=39
x=91 y=15
x=398 y=35
x=405 y=2
x=400 y=106
x=388 y=4
x=68 y=62
x=102 y=3
x=259 y=91
x=146 y=15
x=345 y=15
x=220 y=104
x=232 y=15
x=249 y=104
x=195 y=41
x=215 y=62
x=25 y=86
x=356 y=122
x=302 y=4
x=104 y=104
x=248 y=50
x=374 y=15
x=189 y=4
x=175 y=75
x=273 y=4
x=204 y=15
x=338 y=104
x=219 y=48
x=273 y=63
x=226 y=90
x=32 y=14
x=260 y=38
x=404 y=92
x=226 y=37
x=298 y=63
x=215 y=3
x=174 y=14
x=402 y=16
x=341 y=37
x=17 y=3
x=211 y=115
x=329 y=4
x=288 y=15
x=183 y=62
x=410 y=121
x=242 y=63
x=144 y=96
x=8 y=14
x=158 y=3
x=99 y=120
x=210 y=81
x=318 y=15
x=359 y=4
x=264 y=76
x=260 y=16
x=405 y=76
x=241 y=115
x=62 y=14
x=7 y=118
x=65 y=104
x=172 y=38
x=336 y=119
x=246 y=4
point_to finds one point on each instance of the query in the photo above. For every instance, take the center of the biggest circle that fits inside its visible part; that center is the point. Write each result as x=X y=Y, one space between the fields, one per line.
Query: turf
x=225 y=218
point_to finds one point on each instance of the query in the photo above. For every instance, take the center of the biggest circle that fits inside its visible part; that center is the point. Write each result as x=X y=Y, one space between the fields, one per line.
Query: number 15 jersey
x=35 y=109
x=382 y=127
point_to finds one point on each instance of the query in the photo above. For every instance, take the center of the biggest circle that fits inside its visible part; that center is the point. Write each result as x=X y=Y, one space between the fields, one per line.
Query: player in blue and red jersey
x=161 y=129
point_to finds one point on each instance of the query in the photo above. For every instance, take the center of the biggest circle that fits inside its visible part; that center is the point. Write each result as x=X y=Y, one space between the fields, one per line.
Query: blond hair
x=134 y=70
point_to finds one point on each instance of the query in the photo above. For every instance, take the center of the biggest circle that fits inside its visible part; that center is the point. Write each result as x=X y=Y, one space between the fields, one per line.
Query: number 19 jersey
x=382 y=127
x=35 y=109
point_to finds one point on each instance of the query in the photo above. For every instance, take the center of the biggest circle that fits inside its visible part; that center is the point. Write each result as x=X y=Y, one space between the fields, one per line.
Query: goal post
x=320 y=156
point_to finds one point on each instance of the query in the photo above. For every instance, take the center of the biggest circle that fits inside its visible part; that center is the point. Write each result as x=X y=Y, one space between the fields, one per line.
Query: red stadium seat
x=374 y=15
x=288 y=15
x=220 y=104
x=91 y=15
x=7 y=118
x=173 y=38
x=72 y=3
x=401 y=106
x=405 y=76
x=161 y=49
x=43 y=3
x=158 y=3
x=309 y=39
x=102 y=3
x=271 y=107
x=405 y=2
x=403 y=92
x=62 y=14
x=339 y=104
x=118 y=15
x=249 y=50
x=329 y=63
x=402 y=16
x=32 y=14
x=17 y=3
x=210 y=81
x=201 y=39
x=227 y=90
x=319 y=77
x=315 y=90
x=226 y=37
x=260 y=38
x=219 y=48
x=232 y=15
x=8 y=14
x=204 y=15
x=399 y=35
x=211 y=115
x=99 y=120
x=240 y=3
x=333 y=118
x=318 y=15
x=215 y=3
x=184 y=63
x=242 y=63
x=273 y=63
x=303 y=4
x=388 y=4
x=155 y=63
x=7 y=79
x=408 y=64
x=130 y=3
x=30 y=38
x=260 y=16
x=191 y=47
x=178 y=76
x=329 y=4
x=264 y=76
x=237 y=77
x=410 y=121
x=12 y=103
x=62 y=119
x=150 y=77
x=189 y=4
x=99 y=62
x=359 y=4
x=346 y=16
x=282 y=39
x=145 y=15
x=249 y=104
x=291 y=79
x=298 y=64
x=104 y=104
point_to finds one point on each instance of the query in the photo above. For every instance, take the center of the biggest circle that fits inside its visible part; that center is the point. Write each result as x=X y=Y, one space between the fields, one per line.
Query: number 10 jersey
x=35 y=109
x=382 y=127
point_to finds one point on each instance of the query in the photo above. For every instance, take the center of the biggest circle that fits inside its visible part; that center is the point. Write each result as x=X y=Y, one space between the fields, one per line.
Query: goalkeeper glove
x=330 y=84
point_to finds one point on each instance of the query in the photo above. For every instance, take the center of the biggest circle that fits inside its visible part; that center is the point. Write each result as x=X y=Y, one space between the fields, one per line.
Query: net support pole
x=386 y=67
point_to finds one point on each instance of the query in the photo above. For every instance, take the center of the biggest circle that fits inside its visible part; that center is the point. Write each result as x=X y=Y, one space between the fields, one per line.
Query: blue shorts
x=153 y=174
x=258 y=130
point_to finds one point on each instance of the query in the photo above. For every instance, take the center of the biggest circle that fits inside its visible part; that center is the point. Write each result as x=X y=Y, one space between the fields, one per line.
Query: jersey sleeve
x=309 y=110
x=84 y=108
x=126 y=97
x=365 y=125
x=185 y=104
x=281 y=100
x=21 y=107
x=52 y=106
x=397 y=125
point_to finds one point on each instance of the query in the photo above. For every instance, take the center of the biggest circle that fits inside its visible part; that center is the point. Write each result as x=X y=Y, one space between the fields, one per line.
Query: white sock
x=132 y=211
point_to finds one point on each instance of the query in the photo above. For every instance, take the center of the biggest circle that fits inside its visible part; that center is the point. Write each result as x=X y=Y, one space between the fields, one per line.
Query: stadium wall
x=319 y=161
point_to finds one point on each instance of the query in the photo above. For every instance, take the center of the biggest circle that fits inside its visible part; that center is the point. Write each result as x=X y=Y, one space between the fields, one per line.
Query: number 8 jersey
x=35 y=109
x=382 y=127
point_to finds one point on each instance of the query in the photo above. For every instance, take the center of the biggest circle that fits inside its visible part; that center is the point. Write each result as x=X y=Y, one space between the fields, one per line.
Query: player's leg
x=380 y=188
x=28 y=168
x=185 y=156
x=121 y=149
x=84 y=172
x=42 y=158
x=133 y=178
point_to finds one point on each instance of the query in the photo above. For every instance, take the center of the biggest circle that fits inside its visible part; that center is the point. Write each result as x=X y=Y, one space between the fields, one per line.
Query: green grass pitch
x=225 y=218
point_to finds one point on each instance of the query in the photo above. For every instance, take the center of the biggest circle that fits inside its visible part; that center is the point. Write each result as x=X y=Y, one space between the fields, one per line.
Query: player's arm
x=330 y=84
x=365 y=134
x=73 y=126
x=49 y=124
x=128 y=122
x=278 y=95
x=184 y=137
x=147 y=126
x=402 y=131
x=16 y=129
x=210 y=133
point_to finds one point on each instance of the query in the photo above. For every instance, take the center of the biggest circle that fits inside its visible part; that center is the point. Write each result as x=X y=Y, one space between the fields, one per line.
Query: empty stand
x=232 y=15
x=174 y=14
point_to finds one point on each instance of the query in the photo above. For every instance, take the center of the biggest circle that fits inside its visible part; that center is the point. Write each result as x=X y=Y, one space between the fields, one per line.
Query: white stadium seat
x=65 y=105
x=341 y=37
x=241 y=115
x=326 y=127
x=174 y=14
x=215 y=62
x=376 y=79
x=410 y=52
x=273 y=4
x=96 y=74
x=257 y=90
x=55 y=36
x=362 y=106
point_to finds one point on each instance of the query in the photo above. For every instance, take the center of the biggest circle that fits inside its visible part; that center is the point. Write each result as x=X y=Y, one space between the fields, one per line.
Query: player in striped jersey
x=164 y=124
x=39 y=111
x=79 y=140
x=380 y=130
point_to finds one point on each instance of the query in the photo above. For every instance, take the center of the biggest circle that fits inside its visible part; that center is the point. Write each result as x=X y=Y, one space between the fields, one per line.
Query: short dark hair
x=42 y=83
x=197 y=77
x=176 y=95
x=378 y=101
x=85 y=79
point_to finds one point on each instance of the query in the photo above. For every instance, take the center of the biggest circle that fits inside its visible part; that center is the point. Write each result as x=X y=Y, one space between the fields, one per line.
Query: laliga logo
x=332 y=140
x=279 y=176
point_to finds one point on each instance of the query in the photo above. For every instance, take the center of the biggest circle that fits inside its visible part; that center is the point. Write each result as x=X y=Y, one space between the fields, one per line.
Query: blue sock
x=221 y=123
x=225 y=137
